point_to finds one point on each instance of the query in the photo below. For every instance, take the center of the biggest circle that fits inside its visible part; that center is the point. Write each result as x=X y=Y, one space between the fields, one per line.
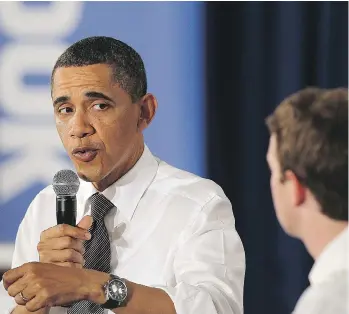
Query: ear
x=298 y=189
x=148 y=106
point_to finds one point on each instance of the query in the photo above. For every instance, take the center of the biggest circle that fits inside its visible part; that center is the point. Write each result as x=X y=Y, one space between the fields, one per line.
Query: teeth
x=84 y=151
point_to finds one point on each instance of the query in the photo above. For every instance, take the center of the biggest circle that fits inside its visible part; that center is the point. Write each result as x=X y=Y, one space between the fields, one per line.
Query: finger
x=66 y=255
x=19 y=300
x=63 y=230
x=17 y=287
x=60 y=244
x=45 y=298
x=85 y=223
x=35 y=304
x=12 y=275
x=69 y=264
x=27 y=293
x=39 y=301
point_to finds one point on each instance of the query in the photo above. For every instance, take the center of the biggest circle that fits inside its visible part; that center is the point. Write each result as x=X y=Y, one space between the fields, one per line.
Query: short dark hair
x=128 y=67
x=311 y=128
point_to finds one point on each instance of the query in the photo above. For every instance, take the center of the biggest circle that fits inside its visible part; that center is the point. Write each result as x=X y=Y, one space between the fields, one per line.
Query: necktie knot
x=100 y=206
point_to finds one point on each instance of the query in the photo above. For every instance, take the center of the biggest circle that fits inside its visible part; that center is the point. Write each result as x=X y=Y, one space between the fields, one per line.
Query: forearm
x=140 y=300
x=22 y=310
x=146 y=300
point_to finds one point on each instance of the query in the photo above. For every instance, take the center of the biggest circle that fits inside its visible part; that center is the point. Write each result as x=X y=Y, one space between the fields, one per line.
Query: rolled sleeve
x=210 y=264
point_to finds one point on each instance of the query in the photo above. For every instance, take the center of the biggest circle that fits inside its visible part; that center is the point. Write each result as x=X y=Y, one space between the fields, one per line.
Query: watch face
x=117 y=290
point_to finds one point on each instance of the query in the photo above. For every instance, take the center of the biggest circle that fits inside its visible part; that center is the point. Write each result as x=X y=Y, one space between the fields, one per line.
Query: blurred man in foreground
x=308 y=160
x=160 y=241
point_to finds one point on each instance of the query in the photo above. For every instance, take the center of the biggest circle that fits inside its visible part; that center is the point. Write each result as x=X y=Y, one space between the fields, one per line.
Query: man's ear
x=148 y=106
x=297 y=187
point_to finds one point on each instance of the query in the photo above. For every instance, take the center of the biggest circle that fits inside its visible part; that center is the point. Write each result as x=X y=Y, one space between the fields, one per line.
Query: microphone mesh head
x=66 y=182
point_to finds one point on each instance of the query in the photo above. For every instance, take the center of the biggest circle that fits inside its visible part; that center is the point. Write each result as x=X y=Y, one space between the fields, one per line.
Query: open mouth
x=85 y=154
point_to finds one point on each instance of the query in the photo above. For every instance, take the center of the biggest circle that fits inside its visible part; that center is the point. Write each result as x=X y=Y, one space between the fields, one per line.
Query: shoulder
x=327 y=297
x=42 y=205
x=44 y=196
x=40 y=215
x=183 y=184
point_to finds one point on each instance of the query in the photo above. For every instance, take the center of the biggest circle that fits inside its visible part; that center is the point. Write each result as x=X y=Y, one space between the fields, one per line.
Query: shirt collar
x=333 y=258
x=126 y=192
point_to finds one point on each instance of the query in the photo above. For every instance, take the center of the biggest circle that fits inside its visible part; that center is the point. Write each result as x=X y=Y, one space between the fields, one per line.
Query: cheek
x=273 y=183
x=116 y=140
x=276 y=189
x=118 y=130
x=281 y=203
x=63 y=134
x=60 y=128
x=273 y=187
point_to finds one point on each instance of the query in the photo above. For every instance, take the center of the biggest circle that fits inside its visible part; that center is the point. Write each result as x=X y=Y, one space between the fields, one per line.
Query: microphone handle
x=66 y=210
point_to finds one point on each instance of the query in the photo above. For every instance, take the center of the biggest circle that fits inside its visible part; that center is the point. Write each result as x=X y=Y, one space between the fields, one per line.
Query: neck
x=319 y=231
x=128 y=163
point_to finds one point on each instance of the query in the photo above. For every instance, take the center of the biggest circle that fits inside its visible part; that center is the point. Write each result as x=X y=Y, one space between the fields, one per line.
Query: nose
x=80 y=126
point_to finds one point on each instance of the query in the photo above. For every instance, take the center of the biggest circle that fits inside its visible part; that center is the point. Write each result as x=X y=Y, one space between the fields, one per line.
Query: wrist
x=116 y=291
x=95 y=282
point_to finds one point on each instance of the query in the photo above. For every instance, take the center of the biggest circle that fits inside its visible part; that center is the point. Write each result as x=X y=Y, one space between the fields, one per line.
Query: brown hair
x=311 y=128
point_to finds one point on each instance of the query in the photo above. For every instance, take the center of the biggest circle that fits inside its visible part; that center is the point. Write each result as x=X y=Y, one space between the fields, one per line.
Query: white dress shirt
x=328 y=290
x=169 y=229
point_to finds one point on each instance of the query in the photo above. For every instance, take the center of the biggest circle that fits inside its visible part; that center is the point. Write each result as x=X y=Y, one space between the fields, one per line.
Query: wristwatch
x=115 y=290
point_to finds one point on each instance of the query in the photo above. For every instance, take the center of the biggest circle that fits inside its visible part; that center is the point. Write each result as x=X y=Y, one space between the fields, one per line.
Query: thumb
x=85 y=222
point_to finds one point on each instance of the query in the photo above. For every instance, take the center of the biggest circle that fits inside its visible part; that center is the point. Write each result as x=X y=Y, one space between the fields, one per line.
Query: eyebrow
x=98 y=95
x=60 y=100
x=92 y=94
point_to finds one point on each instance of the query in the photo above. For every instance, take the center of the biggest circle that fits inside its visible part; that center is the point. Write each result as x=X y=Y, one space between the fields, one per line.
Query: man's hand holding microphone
x=34 y=284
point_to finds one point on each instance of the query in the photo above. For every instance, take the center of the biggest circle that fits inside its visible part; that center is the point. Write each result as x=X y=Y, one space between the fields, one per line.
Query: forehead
x=97 y=76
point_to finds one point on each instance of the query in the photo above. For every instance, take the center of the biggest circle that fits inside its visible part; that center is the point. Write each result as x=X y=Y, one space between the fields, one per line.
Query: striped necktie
x=97 y=250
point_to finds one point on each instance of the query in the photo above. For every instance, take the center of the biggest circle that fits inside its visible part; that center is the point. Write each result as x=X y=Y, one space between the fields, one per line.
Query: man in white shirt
x=308 y=159
x=171 y=236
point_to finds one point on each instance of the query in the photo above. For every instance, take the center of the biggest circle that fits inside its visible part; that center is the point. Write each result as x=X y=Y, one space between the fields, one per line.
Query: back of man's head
x=311 y=128
x=126 y=63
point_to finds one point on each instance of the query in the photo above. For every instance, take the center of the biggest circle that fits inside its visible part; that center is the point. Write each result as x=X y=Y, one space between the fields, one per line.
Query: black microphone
x=66 y=184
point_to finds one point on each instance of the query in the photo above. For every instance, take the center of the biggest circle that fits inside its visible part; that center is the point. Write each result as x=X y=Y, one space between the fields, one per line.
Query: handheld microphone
x=66 y=184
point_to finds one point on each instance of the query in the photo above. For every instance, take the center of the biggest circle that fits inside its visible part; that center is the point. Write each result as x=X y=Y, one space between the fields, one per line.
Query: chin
x=84 y=177
x=90 y=175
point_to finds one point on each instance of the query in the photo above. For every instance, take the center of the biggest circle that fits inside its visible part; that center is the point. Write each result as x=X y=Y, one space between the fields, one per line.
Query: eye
x=101 y=106
x=65 y=110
